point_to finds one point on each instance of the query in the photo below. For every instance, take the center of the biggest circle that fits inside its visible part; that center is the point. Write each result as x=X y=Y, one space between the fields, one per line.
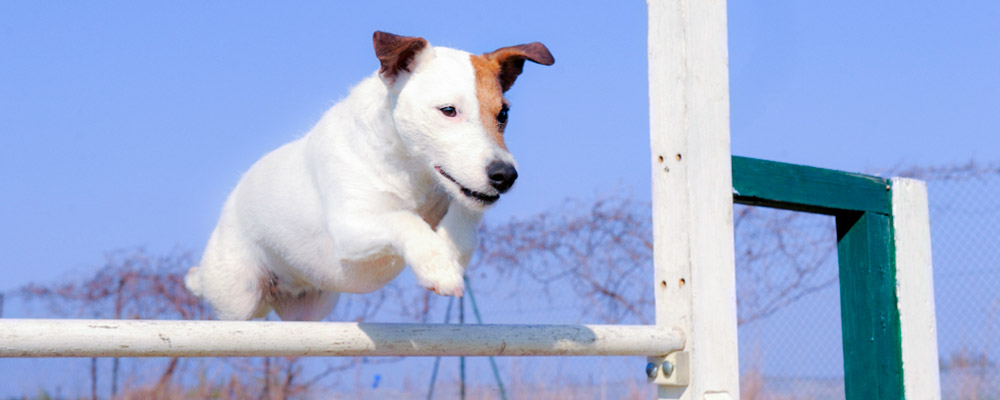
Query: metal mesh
x=592 y=264
x=965 y=234
x=788 y=305
x=796 y=352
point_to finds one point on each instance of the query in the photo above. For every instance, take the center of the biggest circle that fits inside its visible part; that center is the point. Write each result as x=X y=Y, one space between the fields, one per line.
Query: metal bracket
x=672 y=370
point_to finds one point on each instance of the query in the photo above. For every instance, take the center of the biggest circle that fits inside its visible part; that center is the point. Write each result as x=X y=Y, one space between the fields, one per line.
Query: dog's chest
x=416 y=191
x=434 y=206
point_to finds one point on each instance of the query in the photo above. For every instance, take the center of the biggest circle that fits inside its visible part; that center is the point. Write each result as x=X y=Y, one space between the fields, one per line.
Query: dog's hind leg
x=309 y=305
x=233 y=297
x=232 y=280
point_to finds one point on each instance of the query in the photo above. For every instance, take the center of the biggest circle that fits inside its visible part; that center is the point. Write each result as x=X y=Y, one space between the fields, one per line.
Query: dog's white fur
x=345 y=207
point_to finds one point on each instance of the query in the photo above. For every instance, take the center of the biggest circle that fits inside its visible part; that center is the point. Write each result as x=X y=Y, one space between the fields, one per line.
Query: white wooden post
x=692 y=196
x=915 y=289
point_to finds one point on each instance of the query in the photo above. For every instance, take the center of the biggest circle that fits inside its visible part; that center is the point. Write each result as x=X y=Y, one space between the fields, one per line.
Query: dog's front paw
x=440 y=272
x=447 y=286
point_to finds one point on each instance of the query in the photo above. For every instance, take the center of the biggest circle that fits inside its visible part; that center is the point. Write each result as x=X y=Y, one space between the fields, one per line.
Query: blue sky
x=127 y=123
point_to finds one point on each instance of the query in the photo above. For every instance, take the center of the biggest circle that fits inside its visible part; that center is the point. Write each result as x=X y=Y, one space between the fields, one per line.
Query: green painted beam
x=862 y=205
x=873 y=357
x=801 y=188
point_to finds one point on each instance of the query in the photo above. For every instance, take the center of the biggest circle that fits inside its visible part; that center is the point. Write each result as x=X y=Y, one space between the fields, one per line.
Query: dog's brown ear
x=396 y=53
x=511 y=60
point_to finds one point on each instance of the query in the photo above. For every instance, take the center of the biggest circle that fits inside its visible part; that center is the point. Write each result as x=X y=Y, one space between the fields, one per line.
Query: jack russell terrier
x=397 y=173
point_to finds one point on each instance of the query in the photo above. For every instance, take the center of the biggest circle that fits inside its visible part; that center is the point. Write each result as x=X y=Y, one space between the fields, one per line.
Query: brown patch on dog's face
x=490 y=96
x=495 y=74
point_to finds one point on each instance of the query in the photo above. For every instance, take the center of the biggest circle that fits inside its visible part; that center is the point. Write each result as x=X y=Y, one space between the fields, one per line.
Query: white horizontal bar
x=155 y=338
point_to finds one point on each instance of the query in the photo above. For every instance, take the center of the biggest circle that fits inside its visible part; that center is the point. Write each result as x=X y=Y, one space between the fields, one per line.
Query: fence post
x=868 y=306
x=692 y=197
x=915 y=289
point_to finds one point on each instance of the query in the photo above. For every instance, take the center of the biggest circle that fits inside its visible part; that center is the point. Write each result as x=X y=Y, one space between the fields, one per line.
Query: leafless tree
x=781 y=257
x=970 y=170
x=602 y=251
x=598 y=252
x=136 y=285
x=131 y=285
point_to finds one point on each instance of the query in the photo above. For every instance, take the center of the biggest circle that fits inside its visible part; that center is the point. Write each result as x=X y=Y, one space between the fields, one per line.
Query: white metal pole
x=148 y=338
x=692 y=196
x=915 y=289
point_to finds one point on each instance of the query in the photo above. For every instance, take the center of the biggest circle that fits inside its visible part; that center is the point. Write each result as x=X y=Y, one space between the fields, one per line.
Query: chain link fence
x=965 y=234
x=788 y=305
x=588 y=262
x=795 y=352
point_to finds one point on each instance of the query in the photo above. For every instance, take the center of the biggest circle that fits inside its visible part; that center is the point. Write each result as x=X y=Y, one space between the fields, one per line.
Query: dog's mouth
x=484 y=198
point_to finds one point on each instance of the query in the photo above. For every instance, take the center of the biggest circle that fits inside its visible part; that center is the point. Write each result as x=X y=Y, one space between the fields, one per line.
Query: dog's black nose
x=502 y=175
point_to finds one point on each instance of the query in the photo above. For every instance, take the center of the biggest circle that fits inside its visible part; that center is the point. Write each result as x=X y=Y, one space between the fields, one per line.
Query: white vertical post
x=692 y=195
x=915 y=289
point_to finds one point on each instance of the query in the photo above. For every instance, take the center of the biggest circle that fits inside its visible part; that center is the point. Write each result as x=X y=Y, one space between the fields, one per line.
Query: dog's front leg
x=460 y=228
x=435 y=261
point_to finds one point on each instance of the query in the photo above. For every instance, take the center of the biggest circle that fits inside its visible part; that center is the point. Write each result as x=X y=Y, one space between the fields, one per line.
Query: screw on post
x=667 y=367
x=674 y=369
x=651 y=370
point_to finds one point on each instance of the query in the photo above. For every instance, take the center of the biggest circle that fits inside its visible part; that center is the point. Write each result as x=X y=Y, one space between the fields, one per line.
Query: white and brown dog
x=397 y=173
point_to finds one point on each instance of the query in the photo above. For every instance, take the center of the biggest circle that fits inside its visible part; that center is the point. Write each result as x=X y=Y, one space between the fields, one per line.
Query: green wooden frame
x=862 y=206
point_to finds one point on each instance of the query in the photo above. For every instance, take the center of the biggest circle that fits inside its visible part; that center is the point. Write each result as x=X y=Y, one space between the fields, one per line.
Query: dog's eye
x=502 y=117
x=448 y=111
